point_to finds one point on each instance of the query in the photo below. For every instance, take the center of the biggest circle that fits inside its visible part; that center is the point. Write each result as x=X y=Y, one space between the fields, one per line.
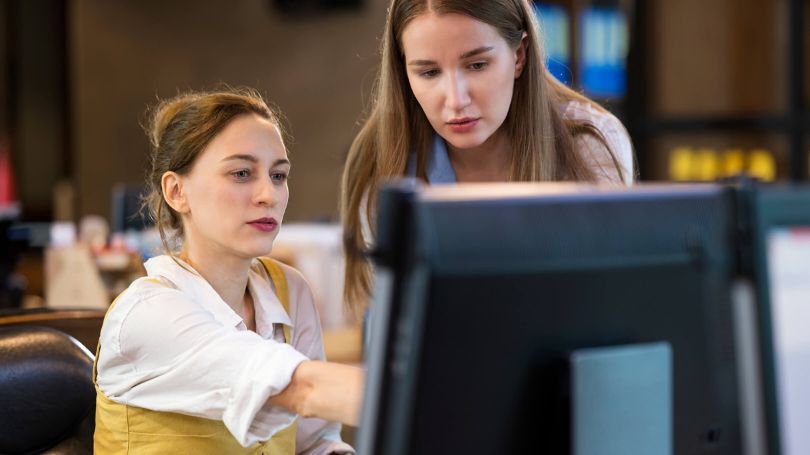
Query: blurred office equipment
x=604 y=52
x=486 y=295
x=688 y=164
x=555 y=26
x=8 y=194
x=315 y=249
x=586 y=44
x=780 y=232
x=126 y=211
x=71 y=274
x=10 y=247
x=10 y=291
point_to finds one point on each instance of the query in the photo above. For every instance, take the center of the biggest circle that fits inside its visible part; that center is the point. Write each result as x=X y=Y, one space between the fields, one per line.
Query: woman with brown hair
x=463 y=95
x=218 y=349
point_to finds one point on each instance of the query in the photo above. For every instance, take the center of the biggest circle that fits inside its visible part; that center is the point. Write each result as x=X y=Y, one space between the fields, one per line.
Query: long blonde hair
x=542 y=141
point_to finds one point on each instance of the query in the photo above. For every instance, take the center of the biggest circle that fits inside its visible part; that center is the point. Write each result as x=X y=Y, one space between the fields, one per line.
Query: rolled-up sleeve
x=167 y=353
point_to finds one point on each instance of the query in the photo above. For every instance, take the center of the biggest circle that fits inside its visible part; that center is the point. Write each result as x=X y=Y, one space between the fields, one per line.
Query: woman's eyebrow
x=476 y=51
x=243 y=157
x=421 y=63
x=468 y=54
x=253 y=159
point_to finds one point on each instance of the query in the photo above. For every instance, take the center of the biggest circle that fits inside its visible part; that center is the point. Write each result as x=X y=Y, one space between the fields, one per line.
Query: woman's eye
x=478 y=66
x=429 y=73
x=278 y=177
x=241 y=174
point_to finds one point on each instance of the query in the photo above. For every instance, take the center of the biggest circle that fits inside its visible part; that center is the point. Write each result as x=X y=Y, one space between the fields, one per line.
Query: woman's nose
x=266 y=193
x=458 y=94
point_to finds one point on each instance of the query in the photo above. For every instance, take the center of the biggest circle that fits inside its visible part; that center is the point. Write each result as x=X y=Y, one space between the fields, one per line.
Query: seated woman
x=218 y=349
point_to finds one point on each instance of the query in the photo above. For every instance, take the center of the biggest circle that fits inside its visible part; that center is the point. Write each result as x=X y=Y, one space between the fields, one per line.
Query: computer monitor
x=781 y=240
x=485 y=293
x=126 y=210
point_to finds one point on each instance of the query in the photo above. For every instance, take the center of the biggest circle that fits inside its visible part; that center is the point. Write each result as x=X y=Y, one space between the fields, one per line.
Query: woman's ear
x=172 y=185
x=520 y=55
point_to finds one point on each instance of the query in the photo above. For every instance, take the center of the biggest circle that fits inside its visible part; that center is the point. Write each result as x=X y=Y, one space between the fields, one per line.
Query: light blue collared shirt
x=439 y=168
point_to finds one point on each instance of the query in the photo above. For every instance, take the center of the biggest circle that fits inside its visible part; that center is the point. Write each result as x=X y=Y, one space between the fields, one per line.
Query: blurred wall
x=4 y=95
x=36 y=100
x=124 y=55
x=724 y=57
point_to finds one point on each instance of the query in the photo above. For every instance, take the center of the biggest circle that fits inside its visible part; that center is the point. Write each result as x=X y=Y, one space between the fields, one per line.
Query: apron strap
x=280 y=282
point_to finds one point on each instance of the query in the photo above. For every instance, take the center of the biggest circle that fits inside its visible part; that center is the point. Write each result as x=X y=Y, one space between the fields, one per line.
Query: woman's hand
x=329 y=391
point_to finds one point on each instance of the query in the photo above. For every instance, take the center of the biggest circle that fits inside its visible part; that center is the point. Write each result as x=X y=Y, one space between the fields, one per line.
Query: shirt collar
x=439 y=168
x=267 y=307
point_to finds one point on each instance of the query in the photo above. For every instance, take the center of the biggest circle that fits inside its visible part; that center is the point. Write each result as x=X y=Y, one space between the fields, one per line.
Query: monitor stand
x=621 y=399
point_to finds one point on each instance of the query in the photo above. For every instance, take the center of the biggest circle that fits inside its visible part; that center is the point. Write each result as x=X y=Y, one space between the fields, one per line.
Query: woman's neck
x=228 y=275
x=488 y=162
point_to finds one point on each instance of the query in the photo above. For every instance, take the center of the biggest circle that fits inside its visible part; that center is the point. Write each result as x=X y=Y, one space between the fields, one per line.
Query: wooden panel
x=758 y=66
x=84 y=325
x=723 y=57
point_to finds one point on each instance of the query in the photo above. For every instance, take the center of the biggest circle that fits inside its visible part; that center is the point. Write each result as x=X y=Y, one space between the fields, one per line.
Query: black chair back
x=47 y=398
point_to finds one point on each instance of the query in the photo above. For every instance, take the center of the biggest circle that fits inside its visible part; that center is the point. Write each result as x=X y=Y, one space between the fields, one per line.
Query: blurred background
x=707 y=89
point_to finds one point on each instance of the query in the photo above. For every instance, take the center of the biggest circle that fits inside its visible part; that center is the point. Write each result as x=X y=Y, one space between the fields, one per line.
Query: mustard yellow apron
x=124 y=429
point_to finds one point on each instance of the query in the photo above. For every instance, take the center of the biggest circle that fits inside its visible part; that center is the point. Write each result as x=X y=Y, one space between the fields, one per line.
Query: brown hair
x=179 y=129
x=542 y=140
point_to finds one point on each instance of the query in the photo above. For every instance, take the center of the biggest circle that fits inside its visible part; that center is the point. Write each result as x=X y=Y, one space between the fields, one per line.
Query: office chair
x=47 y=398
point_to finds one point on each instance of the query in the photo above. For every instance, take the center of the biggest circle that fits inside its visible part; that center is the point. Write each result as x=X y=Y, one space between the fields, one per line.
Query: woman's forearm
x=329 y=391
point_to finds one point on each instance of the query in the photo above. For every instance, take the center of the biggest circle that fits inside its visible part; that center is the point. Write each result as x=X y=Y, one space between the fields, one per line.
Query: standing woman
x=218 y=349
x=463 y=95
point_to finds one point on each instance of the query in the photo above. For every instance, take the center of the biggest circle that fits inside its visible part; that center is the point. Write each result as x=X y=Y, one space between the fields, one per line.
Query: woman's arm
x=330 y=391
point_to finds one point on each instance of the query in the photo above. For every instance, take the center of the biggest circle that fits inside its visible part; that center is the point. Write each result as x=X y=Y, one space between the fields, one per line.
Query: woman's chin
x=463 y=142
x=254 y=251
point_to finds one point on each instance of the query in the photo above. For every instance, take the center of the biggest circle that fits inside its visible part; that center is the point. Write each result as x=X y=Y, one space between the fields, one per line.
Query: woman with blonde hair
x=218 y=349
x=463 y=95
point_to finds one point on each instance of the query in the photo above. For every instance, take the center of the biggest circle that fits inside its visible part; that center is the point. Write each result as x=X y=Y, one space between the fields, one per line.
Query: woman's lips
x=462 y=125
x=264 y=224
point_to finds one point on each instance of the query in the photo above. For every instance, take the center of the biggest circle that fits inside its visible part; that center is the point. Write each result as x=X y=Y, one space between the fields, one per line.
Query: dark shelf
x=793 y=122
x=688 y=124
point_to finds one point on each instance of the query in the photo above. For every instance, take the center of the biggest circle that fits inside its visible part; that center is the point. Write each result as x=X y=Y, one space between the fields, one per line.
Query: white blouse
x=170 y=343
